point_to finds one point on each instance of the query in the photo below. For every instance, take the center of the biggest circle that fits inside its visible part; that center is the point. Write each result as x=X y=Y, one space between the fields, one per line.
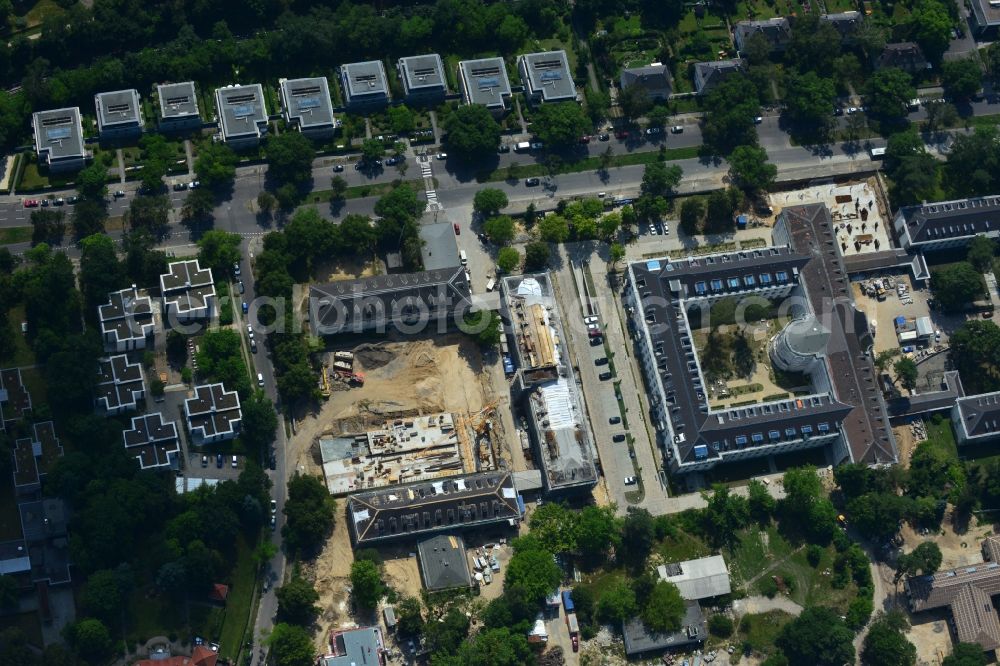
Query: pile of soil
x=373 y=356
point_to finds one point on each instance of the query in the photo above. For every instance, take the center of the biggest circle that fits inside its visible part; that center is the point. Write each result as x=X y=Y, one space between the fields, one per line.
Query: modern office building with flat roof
x=305 y=104
x=423 y=78
x=242 y=115
x=178 y=107
x=546 y=77
x=59 y=139
x=485 y=82
x=364 y=84
x=119 y=114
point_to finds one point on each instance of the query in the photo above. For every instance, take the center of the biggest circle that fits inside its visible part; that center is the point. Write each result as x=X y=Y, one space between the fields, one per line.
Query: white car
x=590 y=320
x=441 y=156
x=274 y=506
x=631 y=480
x=250 y=331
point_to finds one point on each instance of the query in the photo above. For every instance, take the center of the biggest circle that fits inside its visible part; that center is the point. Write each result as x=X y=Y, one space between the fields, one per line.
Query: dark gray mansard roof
x=388 y=299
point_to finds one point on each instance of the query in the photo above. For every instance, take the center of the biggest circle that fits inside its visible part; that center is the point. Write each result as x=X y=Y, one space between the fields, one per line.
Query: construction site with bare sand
x=398 y=410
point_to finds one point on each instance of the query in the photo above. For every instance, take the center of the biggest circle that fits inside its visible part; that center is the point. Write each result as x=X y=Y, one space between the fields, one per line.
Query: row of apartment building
x=305 y=103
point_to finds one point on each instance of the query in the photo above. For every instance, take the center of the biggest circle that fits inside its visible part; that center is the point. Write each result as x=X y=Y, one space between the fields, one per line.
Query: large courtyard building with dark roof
x=826 y=340
x=943 y=225
x=188 y=292
x=213 y=414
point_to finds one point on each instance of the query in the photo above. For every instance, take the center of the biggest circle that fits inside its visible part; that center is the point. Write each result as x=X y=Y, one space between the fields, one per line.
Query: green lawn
x=34 y=381
x=940 y=435
x=241 y=594
x=682 y=546
x=762 y=629
x=22 y=354
x=755 y=552
x=153 y=615
x=587 y=164
x=11 y=235
x=10 y=519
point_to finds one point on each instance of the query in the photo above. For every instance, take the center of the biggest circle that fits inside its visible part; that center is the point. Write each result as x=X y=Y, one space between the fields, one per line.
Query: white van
x=465 y=259
x=492 y=283
x=260 y=379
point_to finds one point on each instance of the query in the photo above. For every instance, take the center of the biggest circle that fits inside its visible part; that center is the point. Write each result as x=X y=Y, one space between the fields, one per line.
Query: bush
x=720 y=625
x=814 y=554
x=768 y=587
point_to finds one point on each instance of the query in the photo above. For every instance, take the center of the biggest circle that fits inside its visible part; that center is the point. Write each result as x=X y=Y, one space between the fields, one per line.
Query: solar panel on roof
x=309 y=103
x=551 y=75
x=489 y=82
x=58 y=133
x=243 y=111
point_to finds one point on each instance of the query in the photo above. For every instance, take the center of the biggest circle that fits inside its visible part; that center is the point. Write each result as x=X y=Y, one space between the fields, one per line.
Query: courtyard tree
x=924 y=560
x=956 y=286
x=508 y=259
x=906 y=373
x=219 y=250
x=634 y=102
x=966 y=654
x=533 y=569
x=931 y=25
x=981 y=252
x=536 y=256
x=215 y=165
x=372 y=149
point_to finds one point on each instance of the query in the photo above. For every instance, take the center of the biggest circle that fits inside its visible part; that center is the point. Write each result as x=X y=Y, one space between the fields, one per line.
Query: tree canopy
x=817 y=636
x=309 y=514
x=956 y=286
x=560 y=125
x=473 y=133
x=750 y=169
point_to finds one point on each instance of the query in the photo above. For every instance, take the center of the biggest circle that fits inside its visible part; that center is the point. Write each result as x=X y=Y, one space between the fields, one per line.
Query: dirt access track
x=443 y=373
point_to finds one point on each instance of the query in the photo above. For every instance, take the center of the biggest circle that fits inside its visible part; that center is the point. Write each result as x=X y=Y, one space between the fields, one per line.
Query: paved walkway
x=759 y=604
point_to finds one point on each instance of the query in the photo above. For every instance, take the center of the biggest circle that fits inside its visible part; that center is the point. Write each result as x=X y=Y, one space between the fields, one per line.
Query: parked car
x=677 y=129
x=620 y=437
x=274 y=506
x=590 y=320
x=204 y=461
x=241 y=287
x=504 y=148
x=195 y=184
x=236 y=268
x=532 y=182
x=441 y=156
x=59 y=202
x=180 y=187
x=72 y=200
x=631 y=480
x=253 y=346
x=604 y=137
x=458 y=229
x=274 y=523
x=615 y=420
x=604 y=376
x=250 y=331
x=119 y=194
x=601 y=361
x=585 y=139
x=537 y=145
x=246 y=307
x=337 y=168
x=218 y=460
x=758 y=120
x=235 y=464
x=30 y=203
x=653 y=130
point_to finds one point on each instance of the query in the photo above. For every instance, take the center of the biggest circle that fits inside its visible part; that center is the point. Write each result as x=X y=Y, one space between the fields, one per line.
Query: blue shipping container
x=567 y=596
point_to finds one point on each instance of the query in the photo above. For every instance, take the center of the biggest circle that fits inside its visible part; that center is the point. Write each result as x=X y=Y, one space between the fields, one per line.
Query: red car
x=30 y=203
x=576 y=643
x=458 y=230
x=584 y=139
x=621 y=134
